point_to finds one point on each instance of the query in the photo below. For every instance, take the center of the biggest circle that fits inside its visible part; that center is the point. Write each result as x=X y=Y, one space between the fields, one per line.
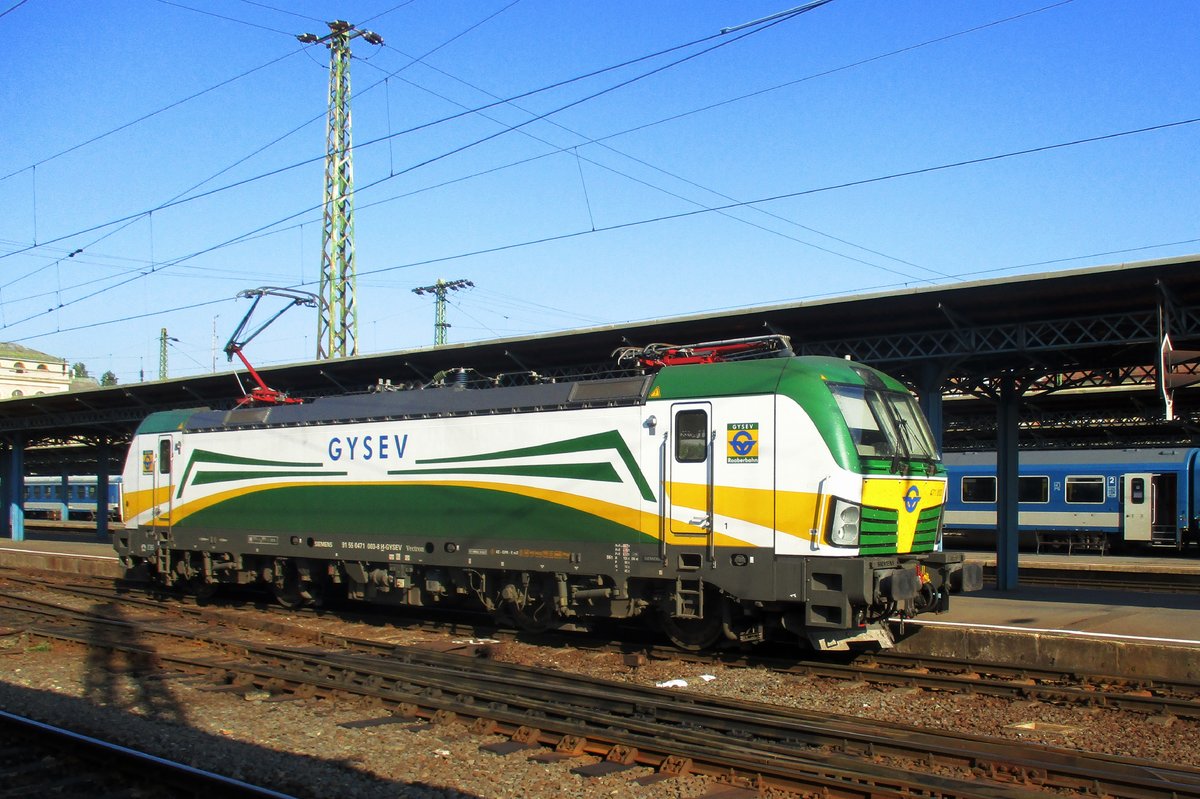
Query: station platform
x=72 y=551
x=1121 y=633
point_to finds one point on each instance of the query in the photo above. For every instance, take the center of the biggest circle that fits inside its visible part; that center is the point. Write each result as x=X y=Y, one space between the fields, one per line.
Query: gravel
x=298 y=746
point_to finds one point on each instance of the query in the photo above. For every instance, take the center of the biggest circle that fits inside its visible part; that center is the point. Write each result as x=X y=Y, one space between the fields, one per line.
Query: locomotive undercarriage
x=691 y=612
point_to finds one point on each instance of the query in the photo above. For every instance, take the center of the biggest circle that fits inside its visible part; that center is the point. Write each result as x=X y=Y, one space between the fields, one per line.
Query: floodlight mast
x=262 y=392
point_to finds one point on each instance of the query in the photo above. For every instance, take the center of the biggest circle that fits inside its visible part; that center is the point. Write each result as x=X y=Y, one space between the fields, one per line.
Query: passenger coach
x=1081 y=499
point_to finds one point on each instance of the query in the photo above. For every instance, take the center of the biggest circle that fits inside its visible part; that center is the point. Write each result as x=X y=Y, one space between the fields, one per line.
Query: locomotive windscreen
x=884 y=424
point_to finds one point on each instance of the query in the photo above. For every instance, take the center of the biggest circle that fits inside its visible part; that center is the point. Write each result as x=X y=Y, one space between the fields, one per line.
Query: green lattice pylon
x=337 y=317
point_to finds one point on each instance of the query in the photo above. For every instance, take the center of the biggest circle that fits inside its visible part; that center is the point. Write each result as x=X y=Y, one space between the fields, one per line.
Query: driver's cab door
x=690 y=473
x=163 y=484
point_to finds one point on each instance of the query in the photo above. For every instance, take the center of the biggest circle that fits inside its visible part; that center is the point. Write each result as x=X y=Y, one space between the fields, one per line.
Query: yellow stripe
x=791 y=512
x=138 y=502
x=633 y=518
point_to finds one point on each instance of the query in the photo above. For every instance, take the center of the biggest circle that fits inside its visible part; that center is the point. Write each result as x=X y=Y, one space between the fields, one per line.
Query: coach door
x=161 y=474
x=689 y=473
x=1138 y=508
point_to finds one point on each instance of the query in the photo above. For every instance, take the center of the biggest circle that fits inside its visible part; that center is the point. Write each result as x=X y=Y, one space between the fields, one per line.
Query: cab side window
x=691 y=436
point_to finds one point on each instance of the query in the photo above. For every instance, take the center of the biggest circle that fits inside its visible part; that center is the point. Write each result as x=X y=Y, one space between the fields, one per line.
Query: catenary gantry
x=1071 y=357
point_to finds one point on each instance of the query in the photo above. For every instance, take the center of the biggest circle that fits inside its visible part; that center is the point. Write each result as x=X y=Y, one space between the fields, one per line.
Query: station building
x=25 y=372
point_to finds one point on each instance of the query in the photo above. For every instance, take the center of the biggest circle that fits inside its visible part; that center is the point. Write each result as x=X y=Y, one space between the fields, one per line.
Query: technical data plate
x=379 y=722
x=508 y=747
x=600 y=769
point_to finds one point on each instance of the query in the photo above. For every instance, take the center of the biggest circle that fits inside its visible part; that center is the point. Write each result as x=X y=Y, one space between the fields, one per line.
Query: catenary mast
x=337 y=316
x=439 y=290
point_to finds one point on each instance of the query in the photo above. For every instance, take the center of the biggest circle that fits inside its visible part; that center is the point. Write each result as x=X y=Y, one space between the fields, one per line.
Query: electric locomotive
x=744 y=500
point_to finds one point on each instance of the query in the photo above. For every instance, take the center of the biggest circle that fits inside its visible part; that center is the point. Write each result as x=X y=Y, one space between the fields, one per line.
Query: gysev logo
x=741 y=441
x=912 y=498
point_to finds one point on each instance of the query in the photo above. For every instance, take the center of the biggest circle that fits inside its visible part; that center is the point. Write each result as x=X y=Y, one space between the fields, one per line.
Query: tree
x=79 y=370
x=108 y=378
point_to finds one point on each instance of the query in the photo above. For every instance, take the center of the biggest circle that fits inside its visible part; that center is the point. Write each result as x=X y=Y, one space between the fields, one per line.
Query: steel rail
x=180 y=778
x=1141 y=695
x=638 y=714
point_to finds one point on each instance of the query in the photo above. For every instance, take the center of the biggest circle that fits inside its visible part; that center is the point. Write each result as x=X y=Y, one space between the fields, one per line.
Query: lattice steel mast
x=337 y=317
x=162 y=355
x=438 y=290
x=163 y=340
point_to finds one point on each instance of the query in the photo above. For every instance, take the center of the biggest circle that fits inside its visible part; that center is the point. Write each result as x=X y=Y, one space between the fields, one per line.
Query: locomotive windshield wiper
x=900 y=445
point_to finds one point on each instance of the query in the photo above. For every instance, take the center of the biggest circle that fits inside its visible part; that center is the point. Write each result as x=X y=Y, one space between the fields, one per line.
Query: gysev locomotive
x=782 y=497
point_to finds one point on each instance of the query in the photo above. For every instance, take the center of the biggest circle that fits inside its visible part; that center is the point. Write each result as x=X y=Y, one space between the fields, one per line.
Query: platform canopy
x=1082 y=346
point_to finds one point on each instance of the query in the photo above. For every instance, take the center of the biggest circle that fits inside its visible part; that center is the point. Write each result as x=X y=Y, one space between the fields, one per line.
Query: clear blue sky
x=853 y=91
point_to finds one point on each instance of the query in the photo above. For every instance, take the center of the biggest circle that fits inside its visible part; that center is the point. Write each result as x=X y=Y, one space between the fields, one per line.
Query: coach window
x=1137 y=490
x=979 y=489
x=1033 y=489
x=691 y=436
x=164 y=456
x=1086 y=490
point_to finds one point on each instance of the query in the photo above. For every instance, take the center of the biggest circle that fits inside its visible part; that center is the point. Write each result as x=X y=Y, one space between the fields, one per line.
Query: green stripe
x=463 y=514
x=208 y=456
x=207 y=478
x=590 y=443
x=600 y=472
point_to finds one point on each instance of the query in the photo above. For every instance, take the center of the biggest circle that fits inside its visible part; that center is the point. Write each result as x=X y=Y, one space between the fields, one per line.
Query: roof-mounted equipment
x=261 y=392
x=655 y=356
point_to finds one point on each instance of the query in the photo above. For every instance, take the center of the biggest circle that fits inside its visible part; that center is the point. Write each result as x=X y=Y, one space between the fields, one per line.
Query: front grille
x=927 y=526
x=878 y=533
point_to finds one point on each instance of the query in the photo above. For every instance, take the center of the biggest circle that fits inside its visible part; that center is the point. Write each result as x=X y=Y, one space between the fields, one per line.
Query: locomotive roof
x=431 y=403
x=737 y=378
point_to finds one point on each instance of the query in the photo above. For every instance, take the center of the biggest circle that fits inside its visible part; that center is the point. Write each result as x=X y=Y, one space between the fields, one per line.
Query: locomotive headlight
x=844 y=524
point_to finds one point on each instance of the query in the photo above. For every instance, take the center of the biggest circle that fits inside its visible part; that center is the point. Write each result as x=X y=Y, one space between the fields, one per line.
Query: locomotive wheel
x=289 y=594
x=534 y=615
x=692 y=635
x=295 y=593
x=204 y=591
x=536 y=618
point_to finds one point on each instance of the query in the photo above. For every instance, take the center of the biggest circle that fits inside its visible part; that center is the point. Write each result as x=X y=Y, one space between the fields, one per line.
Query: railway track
x=1147 y=695
x=747 y=744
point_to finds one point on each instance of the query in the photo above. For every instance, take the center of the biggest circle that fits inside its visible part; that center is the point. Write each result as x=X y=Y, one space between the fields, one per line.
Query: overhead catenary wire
x=686 y=214
x=414 y=129
x=802 y=193
x=267 y=228
x=574 y=151
x=225 y=17
x=456 y=150
x=1063 y=259
x=601 y=141
x=282 y=10
x=143 y=118
x=13 y=8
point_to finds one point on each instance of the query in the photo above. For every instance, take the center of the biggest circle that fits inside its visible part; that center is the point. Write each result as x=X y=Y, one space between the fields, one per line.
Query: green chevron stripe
x=208 y=456
x=599 y=472
x=208 y=478
x=590 y=443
